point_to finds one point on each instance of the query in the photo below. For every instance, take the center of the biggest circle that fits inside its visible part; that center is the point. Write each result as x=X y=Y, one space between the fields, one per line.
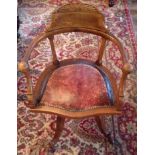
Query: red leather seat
x=76 y=87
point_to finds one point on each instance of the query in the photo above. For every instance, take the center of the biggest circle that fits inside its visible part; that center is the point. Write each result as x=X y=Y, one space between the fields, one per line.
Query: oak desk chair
x=75 y=88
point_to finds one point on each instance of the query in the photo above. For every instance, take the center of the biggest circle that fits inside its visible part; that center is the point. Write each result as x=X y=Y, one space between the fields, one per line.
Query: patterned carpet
x=79 y=137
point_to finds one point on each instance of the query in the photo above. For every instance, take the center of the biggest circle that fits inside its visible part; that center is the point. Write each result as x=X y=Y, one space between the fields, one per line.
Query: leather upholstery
x=77 y=87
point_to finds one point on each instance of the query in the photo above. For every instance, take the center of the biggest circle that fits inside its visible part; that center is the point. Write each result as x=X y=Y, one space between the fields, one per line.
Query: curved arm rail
x=105 y=35
x=126 y=69
x=34 y=42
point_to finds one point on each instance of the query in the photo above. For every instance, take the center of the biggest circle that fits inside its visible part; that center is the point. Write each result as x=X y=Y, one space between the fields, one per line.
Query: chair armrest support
x=127 y=69
x=24 y=68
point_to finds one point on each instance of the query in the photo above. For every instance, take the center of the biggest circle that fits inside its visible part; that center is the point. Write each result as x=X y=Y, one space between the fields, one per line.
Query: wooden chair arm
x=34 y=43
x=127 y=69
x=117 y=42
x=23 y=67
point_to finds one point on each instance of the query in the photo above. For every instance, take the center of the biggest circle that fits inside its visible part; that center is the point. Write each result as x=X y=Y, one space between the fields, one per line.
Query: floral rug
x=79 y=137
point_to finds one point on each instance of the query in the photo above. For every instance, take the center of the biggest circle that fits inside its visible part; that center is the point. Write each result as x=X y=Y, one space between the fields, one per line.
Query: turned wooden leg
x=59 y=128
x=102 y=129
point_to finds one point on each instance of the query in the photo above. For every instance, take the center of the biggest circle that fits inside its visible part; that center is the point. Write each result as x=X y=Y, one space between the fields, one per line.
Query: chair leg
x=99 y=123
x=59 y=128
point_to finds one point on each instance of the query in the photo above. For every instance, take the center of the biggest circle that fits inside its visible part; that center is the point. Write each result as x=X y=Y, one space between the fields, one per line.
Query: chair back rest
x=73 y=18
x=77 y=15
x=77 y=18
